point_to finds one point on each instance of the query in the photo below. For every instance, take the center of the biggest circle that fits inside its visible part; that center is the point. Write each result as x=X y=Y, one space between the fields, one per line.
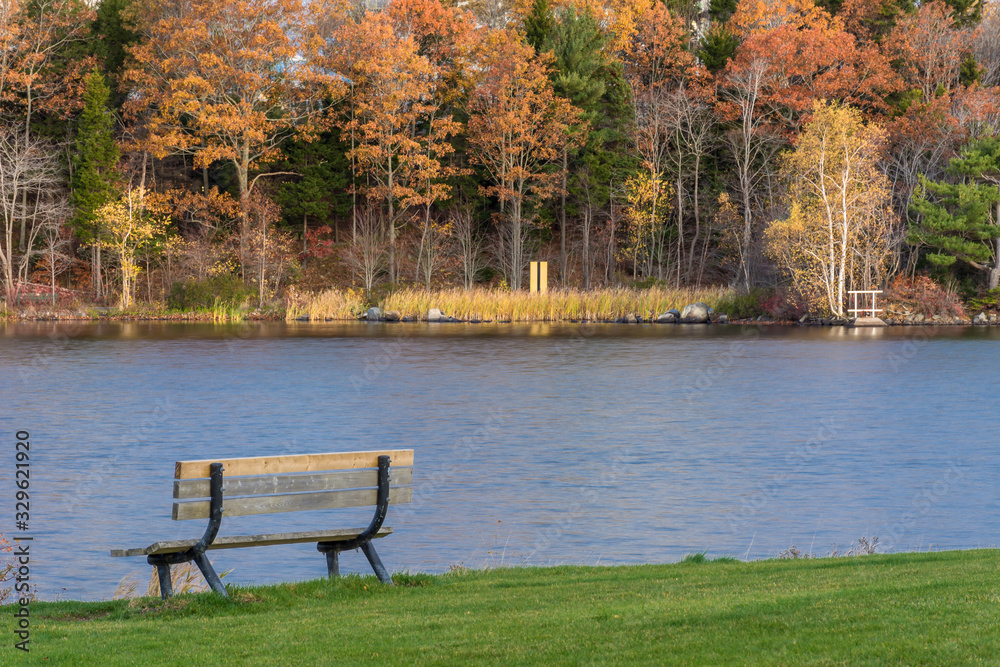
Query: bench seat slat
x=294 y=502
x=329 y=481
x=271 y=465
x=238 y=541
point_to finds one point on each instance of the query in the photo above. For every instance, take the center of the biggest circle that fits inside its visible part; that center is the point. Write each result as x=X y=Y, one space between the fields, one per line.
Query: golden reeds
x=335 y=304
x=553 y=306
x=496 y=304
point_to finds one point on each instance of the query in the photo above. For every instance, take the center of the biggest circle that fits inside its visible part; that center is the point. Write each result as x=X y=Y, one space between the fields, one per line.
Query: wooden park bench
x=212 y=489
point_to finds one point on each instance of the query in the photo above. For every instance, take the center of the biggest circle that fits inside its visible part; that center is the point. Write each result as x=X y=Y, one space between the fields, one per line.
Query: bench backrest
x=267 y=484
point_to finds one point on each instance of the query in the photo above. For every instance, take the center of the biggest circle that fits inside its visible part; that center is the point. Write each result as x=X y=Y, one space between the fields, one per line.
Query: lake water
x=535 y=444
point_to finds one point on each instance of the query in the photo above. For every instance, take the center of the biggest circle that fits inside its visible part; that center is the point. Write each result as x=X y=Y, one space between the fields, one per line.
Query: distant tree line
x=819 y=147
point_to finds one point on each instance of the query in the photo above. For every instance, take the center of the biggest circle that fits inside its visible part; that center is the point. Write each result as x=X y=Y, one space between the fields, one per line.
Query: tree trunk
x=995 y=271
x=52 y=272
x=697 y=220
x=99 y=280
x=562 y=220
x=588 y=217
x=263 y=260
x=680 y=225
x=746 y=238
x=515 y=246
x=242 y=174
x=423 y=239
x=126 y=264
x=22 y=241
x=994 y=280
x=392 y=224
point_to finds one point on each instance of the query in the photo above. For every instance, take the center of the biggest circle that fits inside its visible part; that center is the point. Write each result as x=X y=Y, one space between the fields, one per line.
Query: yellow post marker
x=539 y=277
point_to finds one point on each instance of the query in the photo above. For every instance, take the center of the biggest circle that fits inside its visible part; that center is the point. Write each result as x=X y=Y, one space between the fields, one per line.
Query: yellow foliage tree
x=840 y=227
x=129 y=225
x=647 y=208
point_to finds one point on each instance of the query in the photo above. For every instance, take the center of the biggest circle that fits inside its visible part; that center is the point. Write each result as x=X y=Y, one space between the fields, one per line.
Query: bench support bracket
x=197 y=552
x=364 y=540
x=166 y=589
x=333 y=563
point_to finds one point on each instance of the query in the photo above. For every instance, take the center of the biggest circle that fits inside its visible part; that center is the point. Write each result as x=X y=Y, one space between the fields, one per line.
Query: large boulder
x=434 y=315
x=695 y=313
x=392 y=316
x=373 y=315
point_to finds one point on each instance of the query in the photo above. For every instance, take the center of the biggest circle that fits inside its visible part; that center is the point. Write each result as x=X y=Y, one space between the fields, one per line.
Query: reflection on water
x=534 y=443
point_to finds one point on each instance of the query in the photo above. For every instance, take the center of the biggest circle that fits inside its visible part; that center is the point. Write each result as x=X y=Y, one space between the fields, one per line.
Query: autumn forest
x=185 y=151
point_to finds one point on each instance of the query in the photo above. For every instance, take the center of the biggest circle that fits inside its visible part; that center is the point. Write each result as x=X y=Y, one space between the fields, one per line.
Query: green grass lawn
x=931 y=608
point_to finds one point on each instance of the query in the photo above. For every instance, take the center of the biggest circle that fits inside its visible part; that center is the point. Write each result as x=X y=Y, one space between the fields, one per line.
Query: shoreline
x=722 y=320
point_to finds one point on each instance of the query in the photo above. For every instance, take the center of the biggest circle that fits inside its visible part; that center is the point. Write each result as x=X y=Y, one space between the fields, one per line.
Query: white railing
x=872 y=310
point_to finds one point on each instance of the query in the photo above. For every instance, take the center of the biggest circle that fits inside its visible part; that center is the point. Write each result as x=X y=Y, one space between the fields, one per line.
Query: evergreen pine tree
x=720 y=10
x=596 y=86
x=96 y=155
x=538 y=25
x=717 y=47
x=321 y=191
x=577 y=43
x=113 y=35
x=967 y=12
x=960 y=220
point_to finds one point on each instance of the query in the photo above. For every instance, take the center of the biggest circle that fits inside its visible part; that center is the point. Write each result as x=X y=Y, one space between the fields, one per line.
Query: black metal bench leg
x=376 y=563
x=210 y=576
x=166 y=588
x=333 y=564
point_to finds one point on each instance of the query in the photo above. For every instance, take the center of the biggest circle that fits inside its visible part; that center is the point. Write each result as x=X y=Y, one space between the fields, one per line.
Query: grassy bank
x=932 y=608
x=494 y=304
x=143 y=311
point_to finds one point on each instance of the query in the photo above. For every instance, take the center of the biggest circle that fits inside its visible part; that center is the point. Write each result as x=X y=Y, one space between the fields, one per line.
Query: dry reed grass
x=497 y=304
x=552 y=306
x=336 y=304
x=184 y=578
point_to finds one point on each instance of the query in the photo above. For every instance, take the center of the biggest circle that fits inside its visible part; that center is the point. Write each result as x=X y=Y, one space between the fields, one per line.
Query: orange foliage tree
x=392 y=120
x=754 y=17
x=444 y=36
x=37 y=72
x=817 y=62
x=929 y=49
x=977 y=111
x=986 y=45
x=869 y=20
x=517 y=127
x=227 y=80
